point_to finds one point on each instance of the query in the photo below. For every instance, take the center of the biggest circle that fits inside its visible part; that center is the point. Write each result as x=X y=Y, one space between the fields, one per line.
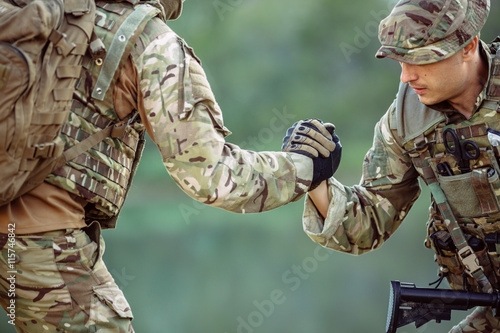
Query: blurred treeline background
x=188 y=268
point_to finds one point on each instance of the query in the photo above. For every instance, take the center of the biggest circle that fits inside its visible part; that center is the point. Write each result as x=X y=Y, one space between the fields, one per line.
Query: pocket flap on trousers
x=111 y=295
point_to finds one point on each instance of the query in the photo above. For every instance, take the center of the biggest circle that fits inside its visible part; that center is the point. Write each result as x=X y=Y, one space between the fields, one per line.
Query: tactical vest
x=474 y=197
x=103 y=174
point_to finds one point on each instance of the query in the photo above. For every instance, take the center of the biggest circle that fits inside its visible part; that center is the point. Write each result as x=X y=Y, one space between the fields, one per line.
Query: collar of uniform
x=485 y=54
x=446 y=107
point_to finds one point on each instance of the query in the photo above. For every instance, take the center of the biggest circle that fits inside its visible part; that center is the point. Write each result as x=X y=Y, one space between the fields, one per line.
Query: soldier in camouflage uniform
x=450 y=83
x=52 y=276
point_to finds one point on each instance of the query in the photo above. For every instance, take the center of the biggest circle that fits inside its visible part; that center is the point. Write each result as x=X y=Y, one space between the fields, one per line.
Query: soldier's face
x=444 y=80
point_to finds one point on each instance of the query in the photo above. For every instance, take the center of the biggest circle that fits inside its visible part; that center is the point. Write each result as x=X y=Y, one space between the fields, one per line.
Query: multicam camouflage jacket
x=361 y=217
x=182 y=117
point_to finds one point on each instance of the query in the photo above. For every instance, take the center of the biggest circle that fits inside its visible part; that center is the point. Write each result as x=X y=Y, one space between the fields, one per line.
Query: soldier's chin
x=428 y=101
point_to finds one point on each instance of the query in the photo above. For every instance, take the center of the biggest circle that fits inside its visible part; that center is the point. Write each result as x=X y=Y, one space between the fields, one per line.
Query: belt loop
x=93 y=230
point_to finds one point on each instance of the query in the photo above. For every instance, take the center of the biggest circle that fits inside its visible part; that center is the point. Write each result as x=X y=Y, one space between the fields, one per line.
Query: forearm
x=358 y=219
x=319 y=197
x=225 y=176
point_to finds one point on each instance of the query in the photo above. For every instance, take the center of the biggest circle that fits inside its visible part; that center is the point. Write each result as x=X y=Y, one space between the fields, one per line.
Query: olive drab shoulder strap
x=121 y=46
x=493 y=93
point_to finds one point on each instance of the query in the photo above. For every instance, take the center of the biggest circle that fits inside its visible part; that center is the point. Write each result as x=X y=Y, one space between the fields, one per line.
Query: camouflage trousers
x=58 y=282
x=481 y=320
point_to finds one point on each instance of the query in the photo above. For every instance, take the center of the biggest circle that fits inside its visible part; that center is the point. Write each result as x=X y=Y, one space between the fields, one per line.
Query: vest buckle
x=469 y=260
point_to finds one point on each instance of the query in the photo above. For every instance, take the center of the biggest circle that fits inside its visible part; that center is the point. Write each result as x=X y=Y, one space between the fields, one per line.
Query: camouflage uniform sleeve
x=185 y=122
x=360 y=218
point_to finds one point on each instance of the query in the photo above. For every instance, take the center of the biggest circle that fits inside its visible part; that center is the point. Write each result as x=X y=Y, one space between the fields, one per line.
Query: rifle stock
x=408 y=304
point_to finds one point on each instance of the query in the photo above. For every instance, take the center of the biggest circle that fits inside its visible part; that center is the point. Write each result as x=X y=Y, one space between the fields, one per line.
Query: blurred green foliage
x=187 y=268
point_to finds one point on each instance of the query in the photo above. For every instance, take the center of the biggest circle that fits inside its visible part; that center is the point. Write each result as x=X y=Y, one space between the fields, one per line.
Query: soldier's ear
x=470 y=49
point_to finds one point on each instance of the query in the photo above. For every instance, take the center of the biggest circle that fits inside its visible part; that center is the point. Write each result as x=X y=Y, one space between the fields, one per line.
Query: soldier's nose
x=407 y=73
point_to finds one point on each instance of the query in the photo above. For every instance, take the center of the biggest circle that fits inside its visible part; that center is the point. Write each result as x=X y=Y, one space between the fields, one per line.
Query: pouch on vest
x=41 y=48
x=473 y=194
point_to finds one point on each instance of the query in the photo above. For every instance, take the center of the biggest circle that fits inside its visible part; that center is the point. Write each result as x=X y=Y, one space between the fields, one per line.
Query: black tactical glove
x=318 y=141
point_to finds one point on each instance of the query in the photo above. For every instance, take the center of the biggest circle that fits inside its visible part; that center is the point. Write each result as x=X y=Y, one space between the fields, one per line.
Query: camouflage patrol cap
x=426 y=31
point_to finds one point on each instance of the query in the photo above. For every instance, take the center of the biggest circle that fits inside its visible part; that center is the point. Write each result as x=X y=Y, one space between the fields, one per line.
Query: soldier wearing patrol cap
x=140 y=77
x=444 y=127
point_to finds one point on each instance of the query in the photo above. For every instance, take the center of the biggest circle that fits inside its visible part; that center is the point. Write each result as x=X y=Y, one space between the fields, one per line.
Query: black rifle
x=408 y=304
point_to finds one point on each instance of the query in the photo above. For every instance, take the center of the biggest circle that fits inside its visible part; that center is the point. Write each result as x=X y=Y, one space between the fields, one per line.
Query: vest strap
x=493 y=92
x=140 y=15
